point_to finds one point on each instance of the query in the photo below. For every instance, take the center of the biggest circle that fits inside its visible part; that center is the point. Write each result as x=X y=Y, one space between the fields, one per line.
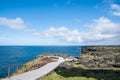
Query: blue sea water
x=20 y=55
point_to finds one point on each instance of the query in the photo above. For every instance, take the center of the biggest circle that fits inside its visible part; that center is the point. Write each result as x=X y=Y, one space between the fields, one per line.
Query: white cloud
x=105 y=25
x=61 y=33
x=115 y=9
x=17 y=23
x=101 y=29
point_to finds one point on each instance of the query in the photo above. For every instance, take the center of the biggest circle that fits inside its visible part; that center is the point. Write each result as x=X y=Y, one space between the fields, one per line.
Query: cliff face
x=100 y=57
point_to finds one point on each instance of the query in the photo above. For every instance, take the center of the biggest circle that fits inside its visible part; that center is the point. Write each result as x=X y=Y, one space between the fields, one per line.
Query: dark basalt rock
x=100 y=56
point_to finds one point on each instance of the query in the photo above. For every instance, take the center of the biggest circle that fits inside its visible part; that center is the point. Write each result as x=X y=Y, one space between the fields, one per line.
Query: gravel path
x=38 y=73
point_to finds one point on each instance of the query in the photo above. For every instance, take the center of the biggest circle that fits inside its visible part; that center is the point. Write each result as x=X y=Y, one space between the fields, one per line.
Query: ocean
x=11 y=55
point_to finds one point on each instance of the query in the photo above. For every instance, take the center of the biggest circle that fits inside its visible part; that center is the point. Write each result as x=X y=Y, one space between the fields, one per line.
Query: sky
x=59 y=22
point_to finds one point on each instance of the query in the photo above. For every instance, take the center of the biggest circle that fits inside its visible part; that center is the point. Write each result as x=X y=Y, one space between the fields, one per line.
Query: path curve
x=38 y=73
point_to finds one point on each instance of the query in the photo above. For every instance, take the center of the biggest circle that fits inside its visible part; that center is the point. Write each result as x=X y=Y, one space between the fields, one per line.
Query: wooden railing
x=8 y=67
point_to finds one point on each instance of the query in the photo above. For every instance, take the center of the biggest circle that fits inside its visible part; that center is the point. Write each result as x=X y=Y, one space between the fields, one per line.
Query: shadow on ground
x=98 y=74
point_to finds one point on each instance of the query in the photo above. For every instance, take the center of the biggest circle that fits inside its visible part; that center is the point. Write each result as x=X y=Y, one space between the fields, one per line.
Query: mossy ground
x=55 y=76
x=83 y=74
x=98 y=63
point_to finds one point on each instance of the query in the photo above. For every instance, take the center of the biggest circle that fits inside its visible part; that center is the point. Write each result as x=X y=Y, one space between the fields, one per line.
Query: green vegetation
x=30 y=65
x=82 y=74
x=96 y=63
x=40 y=61
x=62 y=55
x=100 y=57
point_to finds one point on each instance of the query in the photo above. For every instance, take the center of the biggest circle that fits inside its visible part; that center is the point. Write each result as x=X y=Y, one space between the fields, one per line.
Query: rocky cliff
x=100 y=57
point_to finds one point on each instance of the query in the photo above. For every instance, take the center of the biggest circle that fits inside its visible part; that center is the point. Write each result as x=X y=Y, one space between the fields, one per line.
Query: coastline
x=20 y=55
x=90 y=57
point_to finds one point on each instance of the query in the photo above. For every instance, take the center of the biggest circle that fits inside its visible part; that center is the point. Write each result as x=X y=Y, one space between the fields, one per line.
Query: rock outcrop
x=100 y=57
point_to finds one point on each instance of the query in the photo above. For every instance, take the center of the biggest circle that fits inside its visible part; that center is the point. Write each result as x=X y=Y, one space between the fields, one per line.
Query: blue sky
x=59 y=22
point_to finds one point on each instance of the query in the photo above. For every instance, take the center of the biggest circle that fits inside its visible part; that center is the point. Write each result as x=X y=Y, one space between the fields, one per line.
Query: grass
x=35 y=64
x=55 y=76
x=30 y=65
x=92 y=65
x=95 y=64
x=83 y=74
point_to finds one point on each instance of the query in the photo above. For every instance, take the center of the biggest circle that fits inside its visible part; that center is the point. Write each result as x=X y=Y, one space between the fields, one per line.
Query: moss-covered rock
x=100 y=57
